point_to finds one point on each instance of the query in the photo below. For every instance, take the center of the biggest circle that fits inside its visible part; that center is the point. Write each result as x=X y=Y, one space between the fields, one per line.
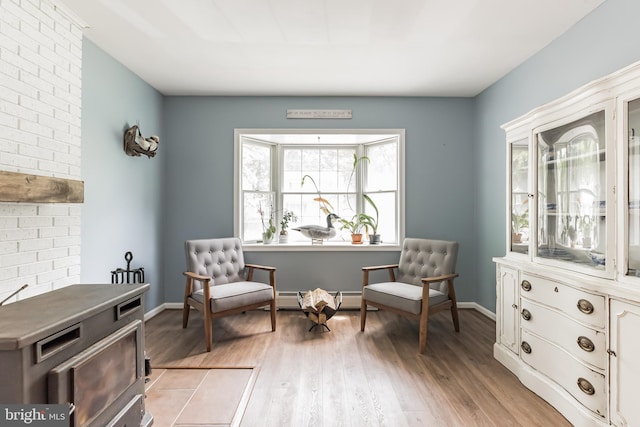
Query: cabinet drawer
x=584 y=384
x=583 y=342
x=580 y=305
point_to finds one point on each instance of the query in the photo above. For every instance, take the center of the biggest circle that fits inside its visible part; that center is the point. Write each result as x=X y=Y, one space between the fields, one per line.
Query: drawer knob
x=526 y=285
x=585 y=306
x=586 y=344
x=525 y=347
x=586 y=387
x=526 y=314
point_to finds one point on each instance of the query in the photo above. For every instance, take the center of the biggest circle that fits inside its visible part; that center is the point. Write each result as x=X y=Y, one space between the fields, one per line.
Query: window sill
x=325 y=247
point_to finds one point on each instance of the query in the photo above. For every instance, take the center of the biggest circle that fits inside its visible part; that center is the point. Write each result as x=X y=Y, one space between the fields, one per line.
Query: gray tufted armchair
x=422 y=286
x=219 y=283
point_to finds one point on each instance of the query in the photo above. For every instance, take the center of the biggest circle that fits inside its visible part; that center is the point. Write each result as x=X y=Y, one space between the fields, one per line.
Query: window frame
x=350 y=137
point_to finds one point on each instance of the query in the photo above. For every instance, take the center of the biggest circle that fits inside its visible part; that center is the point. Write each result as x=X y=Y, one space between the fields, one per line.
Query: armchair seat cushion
x=233 y=295
x=400 y=295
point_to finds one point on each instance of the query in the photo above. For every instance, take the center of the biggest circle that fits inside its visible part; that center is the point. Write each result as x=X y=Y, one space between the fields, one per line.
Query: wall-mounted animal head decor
x=135 y=144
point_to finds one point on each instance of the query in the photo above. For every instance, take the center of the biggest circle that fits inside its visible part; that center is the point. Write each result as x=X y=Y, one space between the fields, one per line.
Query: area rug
x=194 y=396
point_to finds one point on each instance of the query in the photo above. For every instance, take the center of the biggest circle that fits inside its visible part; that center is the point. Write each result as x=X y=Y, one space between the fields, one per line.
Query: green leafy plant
x=368 y=220
x=269 y=230
x=287 y=217
x=353 y=225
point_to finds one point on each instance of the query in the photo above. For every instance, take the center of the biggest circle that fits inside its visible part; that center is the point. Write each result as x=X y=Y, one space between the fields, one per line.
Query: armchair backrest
x=426 y=258
x=221 y=259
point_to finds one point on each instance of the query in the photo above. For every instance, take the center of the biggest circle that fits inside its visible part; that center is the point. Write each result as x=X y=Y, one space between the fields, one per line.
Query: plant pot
x=516 y=237
x=374 y=239
x=267 y=238
x=356 y=239
x=284 y=238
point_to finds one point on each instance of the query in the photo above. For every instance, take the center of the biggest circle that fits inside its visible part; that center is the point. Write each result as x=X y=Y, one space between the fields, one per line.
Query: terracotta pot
x=356 y=239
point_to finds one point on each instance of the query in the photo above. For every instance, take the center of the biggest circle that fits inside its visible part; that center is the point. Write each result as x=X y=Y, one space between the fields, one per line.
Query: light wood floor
x=349 y=378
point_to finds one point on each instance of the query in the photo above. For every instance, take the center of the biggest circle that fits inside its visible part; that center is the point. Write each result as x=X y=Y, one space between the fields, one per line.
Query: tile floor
x=197 y=397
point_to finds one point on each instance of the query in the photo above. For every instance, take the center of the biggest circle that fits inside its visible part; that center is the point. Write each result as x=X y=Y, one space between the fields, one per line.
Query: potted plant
x=287 y=217
x=518 y=223
x=371 y=222
x=268 y=230
x=354 y=226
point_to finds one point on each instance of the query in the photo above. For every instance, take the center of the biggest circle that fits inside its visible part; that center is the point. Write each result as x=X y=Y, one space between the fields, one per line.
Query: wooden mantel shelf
x=22 y=187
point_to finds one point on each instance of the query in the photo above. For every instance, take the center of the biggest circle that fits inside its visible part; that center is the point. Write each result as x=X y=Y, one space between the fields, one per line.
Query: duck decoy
x=318 y=233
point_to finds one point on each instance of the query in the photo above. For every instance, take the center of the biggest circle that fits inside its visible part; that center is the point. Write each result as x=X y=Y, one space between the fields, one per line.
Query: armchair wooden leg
x=273 y=315
x=208 y=331
x=424 y=320
x=185 y=314
x=363 y=314
x=454 y=306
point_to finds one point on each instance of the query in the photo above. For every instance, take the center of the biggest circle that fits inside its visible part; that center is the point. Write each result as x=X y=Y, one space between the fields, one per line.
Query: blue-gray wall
x=123 y=207
x=603 y=42
x=455 y=162
x=199 y=191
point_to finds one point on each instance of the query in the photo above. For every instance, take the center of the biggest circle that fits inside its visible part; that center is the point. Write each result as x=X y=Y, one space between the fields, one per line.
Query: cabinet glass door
x=519 y=197
x=634 y=189
x=572 y=192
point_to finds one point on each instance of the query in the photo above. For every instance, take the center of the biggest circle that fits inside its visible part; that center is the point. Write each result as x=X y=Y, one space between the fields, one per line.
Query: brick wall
x=40 y=122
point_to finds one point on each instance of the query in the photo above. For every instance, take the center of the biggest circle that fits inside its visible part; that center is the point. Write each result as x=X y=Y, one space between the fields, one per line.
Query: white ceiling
x=324 y=47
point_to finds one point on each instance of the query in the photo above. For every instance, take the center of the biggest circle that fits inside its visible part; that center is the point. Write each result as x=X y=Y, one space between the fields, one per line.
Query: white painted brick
x=66 y=221
x=35 y=245
x=35 y=128
x=8 y=120
x=53 y=123
x=7 y=222
x=8 y=69
x=9 y=95
x=53 y=167
x=7 y=43
x=7 y=274
x=18 y=209
x=50 y=232
x=18 y=111
x=34 y=221
x=8 y=248
x=8 y=146
x=35 y=268
x=53 y=210
x=40 y=133
x=18 y=234
x=54 y=101
x=51 y=254
x=70 y=261
x=17 y=136
x=10 y=260
x=17 y=163
x=65 y=242
x=75 y=172
x=18 y=86
x=36 y=82
x=75 y=270
x=66 y=159
x=53 y=145
x=35 y=152
x=36 y=105
x=51 y=276
x=33 y=8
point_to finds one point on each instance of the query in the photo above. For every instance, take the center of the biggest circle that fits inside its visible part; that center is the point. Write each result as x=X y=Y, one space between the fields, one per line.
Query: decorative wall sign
x=319 y=114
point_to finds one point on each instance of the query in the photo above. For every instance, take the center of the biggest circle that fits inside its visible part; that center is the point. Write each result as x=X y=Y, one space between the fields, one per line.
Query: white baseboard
x=288 y=300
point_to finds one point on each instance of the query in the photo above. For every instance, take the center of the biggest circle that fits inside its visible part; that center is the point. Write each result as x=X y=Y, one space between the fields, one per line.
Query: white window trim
x=239 y=133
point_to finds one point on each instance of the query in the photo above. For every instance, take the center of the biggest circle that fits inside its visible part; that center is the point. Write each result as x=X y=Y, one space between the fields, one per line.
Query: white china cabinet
x=568 y=288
